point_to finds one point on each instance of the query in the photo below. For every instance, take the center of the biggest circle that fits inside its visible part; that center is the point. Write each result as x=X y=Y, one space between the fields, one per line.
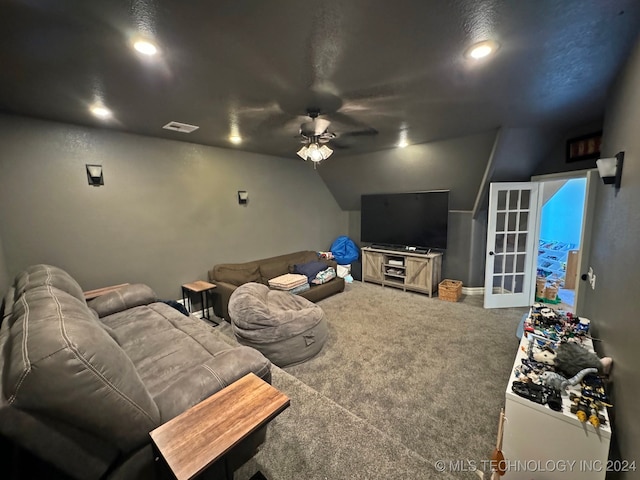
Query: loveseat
x=229 y=276
x=82 y=384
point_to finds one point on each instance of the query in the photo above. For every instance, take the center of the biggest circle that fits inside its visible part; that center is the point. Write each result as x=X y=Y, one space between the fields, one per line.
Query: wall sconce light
x=243 y=197
x=610 y=170
x=94 y=175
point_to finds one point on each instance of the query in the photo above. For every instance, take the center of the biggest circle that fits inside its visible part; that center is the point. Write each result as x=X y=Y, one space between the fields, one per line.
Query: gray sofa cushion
x=41 y=275
x=180 y=360
x=236 y=273
x=124 y=298
x=65 y=366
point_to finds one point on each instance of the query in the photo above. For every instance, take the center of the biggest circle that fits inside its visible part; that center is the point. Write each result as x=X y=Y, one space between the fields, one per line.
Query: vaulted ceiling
x=380 y=71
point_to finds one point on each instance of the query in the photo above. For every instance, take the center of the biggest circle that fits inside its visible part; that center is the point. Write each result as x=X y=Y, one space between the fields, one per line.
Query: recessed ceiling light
x=100 y=111
x=235 y=139
x=145 y=47
x=482 y=49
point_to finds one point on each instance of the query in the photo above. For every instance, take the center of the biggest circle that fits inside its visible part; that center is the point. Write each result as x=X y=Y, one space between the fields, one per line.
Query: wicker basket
x=450 y=290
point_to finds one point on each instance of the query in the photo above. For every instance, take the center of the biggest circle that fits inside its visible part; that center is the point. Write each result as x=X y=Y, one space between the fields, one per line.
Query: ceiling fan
x=315 y=135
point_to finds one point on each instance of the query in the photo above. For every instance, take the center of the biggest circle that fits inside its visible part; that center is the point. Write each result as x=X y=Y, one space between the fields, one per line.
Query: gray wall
x=613 y=305
x=168 y=210
x=556 y=162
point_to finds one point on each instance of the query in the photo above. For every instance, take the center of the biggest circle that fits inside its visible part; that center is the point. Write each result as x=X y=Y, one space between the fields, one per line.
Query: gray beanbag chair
x=285 y=328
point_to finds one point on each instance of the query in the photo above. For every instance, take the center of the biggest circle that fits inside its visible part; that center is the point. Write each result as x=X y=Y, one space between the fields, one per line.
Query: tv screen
x=416 y=219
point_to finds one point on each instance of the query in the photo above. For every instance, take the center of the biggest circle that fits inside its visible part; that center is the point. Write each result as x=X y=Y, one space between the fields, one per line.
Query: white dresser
x=542 y=444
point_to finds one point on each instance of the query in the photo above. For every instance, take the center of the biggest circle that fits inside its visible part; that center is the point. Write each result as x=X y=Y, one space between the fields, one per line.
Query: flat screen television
x=417 y=219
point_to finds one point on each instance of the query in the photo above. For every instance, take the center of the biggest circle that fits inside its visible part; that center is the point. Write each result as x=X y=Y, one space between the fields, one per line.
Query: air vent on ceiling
x=180 y=127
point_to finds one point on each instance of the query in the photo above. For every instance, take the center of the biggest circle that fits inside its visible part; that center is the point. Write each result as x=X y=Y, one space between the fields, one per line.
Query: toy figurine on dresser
x=557 y=361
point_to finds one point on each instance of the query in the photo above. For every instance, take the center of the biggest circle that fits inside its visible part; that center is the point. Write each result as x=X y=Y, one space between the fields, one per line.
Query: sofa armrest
x=221 y=296
x=123 y=298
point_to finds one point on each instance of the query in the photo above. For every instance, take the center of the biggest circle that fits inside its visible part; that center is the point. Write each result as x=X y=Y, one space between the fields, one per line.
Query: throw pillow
x=310 y=269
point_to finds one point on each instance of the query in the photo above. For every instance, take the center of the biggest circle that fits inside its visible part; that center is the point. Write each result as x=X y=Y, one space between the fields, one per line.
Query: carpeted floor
x=403 y=381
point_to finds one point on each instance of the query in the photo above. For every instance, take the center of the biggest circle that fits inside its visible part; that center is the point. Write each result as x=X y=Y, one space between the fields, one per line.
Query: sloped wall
x=168 y=210
x=455 y=164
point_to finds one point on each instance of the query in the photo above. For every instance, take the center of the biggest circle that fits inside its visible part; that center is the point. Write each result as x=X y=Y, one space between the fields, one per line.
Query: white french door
x=511 y=244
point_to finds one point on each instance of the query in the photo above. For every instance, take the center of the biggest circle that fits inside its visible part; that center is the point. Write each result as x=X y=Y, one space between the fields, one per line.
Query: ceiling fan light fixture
x=302 y=153
x=325 y=152
x=314 y=153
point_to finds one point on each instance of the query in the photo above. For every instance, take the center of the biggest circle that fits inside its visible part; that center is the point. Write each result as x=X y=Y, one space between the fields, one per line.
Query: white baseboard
x=473 y=290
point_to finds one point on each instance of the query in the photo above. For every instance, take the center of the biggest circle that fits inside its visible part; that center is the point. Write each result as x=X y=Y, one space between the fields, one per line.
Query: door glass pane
x=513 y=199
x=524 y=199
x=519 y=286
x=520 y=264
x=511 y=242
x=500 y=222
x=513 y=217
x=524 y=219
x=522 y=242
x=497 y=264
x=509 y=263
x=497 y=283
x=502 y=200
x=499 y=246
x=508 y=283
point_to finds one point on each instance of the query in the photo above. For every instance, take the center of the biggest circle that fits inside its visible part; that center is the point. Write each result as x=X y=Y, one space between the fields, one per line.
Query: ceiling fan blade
x=365 y=132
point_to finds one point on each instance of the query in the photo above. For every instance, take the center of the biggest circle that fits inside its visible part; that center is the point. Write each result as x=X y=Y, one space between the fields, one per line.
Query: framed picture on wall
x=585 y=147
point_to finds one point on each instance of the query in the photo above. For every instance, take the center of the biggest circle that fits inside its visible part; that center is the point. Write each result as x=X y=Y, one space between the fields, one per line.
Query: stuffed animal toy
x=570 y=358
x=557 y=381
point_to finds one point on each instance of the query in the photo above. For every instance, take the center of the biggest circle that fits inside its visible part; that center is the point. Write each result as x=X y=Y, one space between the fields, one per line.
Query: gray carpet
x=403 y=381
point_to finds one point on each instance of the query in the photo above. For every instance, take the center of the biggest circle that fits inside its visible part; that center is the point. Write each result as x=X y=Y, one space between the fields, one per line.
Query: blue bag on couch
x=344 y=250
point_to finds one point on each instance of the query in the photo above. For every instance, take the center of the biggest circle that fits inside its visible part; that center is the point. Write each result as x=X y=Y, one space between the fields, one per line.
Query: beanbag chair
x=344 y=250
x=285 y=328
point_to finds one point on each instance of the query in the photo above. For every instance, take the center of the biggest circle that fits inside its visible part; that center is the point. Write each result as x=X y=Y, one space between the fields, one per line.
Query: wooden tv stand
x=405 y=269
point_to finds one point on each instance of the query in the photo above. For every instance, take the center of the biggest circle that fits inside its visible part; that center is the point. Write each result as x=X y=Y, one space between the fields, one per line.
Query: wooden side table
x=204 y=434
x=204 y=289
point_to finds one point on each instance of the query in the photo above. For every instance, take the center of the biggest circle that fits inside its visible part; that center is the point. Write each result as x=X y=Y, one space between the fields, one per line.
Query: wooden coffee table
x=204 y=434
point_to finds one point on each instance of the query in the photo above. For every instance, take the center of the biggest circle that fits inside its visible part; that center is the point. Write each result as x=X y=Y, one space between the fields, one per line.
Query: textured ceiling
x=374 y=68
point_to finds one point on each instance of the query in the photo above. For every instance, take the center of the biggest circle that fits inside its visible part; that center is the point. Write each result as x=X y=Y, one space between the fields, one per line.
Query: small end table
x=204 y=289
x=208 y=431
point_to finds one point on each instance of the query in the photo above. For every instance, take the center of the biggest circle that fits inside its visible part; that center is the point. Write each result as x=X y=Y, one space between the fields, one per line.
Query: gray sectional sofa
x=229 y=276
x=82 y=384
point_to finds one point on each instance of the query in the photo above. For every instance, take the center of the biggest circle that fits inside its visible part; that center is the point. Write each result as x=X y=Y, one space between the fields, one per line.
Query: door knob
x=584 y=277
x=491 y=253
